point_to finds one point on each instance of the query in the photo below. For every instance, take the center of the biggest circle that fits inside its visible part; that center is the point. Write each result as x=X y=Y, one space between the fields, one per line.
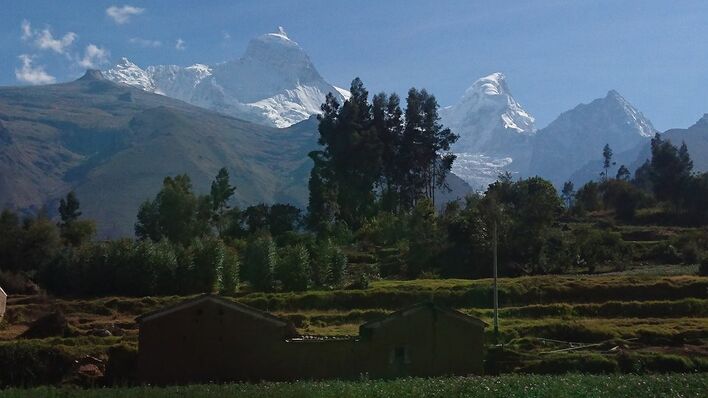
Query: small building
x=209 y=338
x=423 y=340
x=213 y=339
x=3 y=303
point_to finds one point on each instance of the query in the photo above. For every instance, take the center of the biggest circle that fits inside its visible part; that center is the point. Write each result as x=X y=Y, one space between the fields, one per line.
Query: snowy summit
x=274 y=83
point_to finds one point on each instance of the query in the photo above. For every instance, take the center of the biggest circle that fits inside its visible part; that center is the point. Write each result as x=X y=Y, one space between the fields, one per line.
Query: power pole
x=496 y=290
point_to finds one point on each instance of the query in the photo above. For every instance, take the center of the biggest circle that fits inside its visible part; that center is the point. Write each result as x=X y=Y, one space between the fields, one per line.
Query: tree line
x=372 y=190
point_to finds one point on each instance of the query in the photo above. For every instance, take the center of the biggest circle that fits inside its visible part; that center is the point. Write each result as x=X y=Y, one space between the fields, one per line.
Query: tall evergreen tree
x=607 y=161
x=567 y=193
x=220 y=194
x=670 y=170
x=69 y=208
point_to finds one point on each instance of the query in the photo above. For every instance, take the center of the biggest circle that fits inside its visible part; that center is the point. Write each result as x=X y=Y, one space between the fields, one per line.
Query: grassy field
x=508 y=386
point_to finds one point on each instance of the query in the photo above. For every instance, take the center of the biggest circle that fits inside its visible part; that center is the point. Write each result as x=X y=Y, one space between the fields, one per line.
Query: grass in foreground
x=508 y=386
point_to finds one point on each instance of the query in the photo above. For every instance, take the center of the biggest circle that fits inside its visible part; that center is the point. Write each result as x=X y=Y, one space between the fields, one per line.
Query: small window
x=399 y=356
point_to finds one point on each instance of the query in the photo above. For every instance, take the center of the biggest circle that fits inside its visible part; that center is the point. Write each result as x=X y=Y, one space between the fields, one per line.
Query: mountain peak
x=92 y=75
x=613 y=94
x=494 y=84
x=126 y=72
x=274 y=39
x=280 y=33
x=274 y=82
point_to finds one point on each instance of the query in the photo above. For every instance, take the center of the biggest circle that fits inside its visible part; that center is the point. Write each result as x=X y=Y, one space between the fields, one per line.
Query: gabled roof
x=420 y=307
x=2 y=292
x=226 y=303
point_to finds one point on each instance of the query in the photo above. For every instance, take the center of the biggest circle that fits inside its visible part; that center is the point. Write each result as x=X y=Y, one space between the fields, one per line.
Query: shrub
x=573 y=363
x=121 y=366
x=25 y=364
x=703 y=268
x=665 y=253
x=49 y=325
x=600 y=246
x=655 y=362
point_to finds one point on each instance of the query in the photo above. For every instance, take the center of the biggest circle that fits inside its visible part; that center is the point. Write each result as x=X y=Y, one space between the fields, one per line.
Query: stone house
x=213 y=339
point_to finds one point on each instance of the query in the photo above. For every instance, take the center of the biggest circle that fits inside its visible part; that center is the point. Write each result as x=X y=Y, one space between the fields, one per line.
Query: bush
x=656 y=362
x=600 y=246
x=49 y=325
x=690 y=254
x=573 y=363
x=703 y=268
x=665 y=253
x=121 y=366
x=25 y=364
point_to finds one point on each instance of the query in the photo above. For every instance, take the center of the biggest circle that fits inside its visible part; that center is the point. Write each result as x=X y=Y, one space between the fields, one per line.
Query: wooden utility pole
x=496 y=290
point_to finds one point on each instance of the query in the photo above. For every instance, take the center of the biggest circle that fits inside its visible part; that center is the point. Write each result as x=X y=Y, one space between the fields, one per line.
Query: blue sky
x=555 y=54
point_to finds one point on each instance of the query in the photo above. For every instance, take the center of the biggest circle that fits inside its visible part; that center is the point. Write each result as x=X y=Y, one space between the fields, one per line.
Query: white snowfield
x=273 y=83
x=497 y=134
x=483 y=116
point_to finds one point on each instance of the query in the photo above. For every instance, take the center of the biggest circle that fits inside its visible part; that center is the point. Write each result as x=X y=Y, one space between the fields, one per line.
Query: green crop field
x=508 y=386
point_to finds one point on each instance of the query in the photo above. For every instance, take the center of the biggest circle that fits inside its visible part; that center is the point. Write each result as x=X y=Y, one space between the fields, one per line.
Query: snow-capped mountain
x=578 y=136
x=274 y=83
x=495 y=131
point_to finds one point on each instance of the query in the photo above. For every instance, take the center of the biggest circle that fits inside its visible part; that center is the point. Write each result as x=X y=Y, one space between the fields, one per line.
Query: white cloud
x=145 y=42
x=180 y=44
x=26 y=30
x=226 y=34
x=94 y=57
x=45 y=40
x=122 y=15
x=32 y=74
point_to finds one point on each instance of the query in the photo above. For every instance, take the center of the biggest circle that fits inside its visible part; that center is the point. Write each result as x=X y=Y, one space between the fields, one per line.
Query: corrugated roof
x=422 y=306
x=243 y=308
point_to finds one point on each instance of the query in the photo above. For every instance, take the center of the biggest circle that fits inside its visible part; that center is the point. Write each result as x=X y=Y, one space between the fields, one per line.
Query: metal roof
x=423 y=306
x=226 y=303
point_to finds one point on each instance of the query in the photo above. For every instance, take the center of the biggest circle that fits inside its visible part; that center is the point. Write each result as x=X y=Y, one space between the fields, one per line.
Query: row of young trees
x=376 y=156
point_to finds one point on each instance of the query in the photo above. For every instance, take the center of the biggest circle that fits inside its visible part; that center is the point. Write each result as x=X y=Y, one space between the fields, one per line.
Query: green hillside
x=113 y=145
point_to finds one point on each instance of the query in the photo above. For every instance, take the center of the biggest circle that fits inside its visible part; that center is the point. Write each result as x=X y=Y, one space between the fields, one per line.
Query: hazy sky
x=555 y=54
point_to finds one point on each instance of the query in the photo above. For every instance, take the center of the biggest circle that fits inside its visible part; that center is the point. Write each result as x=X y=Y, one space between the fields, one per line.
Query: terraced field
x=548 y=324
